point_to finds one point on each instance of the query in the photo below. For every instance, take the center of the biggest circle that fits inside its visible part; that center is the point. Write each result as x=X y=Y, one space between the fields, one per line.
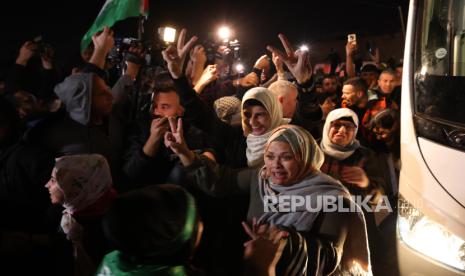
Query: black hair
x=386 y=118
x=358 y=84
x=321 y=97
x=252 y=102
x=163 y=83
x=389 y=71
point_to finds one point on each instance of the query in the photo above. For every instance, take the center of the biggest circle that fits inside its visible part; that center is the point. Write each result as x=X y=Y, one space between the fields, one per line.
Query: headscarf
x=256 y=144
x=333 y=150
x=164 y=226
x=312 y=185
x=83 y=179
x=304 y=147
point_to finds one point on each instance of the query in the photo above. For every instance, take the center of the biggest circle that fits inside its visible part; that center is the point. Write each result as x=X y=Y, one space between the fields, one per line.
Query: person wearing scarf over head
x=82 y=184
x=154 y=230
x=261 y=114
x=319 y=242
x=358 y=169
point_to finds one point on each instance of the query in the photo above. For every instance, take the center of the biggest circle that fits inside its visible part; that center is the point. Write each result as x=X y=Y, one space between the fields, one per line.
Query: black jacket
x=145 y=170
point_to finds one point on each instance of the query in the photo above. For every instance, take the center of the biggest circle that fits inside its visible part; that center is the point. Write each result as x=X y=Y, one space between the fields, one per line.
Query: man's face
x=289 y=103
x=168 y=105
x=382 y=134
x=329 y=85
x=350 y=97
x=369 y=77
x=28 y=105
x=102 y=99
x=399 y=74
x=386 y=83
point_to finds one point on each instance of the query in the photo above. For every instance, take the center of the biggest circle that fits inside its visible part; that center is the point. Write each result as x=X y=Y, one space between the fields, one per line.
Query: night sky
x=255 y=23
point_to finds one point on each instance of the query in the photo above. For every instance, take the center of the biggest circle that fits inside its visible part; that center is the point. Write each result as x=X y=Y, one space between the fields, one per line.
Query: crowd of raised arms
x=179 y=170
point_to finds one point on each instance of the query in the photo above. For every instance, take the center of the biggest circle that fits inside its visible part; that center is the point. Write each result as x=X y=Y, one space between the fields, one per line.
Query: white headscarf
x=256 y=144
x=333 y=150
x=83 y=179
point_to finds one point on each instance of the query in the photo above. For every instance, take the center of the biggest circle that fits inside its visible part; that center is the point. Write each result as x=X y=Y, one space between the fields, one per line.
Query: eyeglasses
x=348 y=126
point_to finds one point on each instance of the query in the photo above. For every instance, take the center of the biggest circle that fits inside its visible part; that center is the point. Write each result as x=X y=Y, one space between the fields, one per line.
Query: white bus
x=431 y=214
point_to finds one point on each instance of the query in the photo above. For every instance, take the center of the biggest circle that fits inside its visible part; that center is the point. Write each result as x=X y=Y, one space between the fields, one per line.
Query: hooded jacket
x=72 y=133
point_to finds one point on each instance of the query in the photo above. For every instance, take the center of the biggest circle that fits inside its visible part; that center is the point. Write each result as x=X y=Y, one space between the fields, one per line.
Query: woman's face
x=257 y=119
x=56 y=195
x=281 y=163
x=341 y=132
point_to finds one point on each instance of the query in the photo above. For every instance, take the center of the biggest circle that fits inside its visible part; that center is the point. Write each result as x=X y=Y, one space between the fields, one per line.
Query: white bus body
x=431 y=214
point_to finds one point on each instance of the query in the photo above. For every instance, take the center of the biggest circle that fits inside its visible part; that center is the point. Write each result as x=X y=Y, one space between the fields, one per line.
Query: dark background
x=255 y=23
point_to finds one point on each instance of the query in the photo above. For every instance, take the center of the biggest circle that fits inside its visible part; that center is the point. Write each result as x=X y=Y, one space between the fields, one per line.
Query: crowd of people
x=90 y=185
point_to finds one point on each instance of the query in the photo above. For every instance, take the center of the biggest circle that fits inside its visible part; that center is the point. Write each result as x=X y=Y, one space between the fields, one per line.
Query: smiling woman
x=261 y=113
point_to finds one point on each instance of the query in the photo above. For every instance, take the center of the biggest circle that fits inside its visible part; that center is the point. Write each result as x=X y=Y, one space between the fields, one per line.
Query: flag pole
x=138 y=84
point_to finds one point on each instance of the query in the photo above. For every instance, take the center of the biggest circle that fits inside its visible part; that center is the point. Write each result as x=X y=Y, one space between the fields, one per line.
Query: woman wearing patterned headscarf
x=82 y=184
x=320 y=242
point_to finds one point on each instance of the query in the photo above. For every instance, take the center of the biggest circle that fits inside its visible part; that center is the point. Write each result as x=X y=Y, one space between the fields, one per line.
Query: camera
x=41 y=45
x=122 y=45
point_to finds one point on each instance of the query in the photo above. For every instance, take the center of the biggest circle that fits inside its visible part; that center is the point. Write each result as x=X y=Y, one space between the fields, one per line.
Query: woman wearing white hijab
x=261 y=114
x=358 y=169
x=320 y=243
x=82 y=184
x=345 y=159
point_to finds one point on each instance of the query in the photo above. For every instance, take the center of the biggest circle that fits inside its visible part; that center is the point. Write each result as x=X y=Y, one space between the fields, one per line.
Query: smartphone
x=352 y=38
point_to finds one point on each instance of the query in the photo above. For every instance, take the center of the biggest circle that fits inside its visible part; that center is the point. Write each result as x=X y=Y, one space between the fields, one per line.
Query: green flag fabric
x=111 y=12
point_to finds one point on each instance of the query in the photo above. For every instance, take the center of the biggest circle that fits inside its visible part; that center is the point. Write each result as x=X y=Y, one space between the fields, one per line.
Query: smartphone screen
x=351 y=38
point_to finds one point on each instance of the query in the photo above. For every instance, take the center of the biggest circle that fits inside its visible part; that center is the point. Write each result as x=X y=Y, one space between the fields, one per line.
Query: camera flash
x=239 y=68
x=304 y=48
x=169 y=34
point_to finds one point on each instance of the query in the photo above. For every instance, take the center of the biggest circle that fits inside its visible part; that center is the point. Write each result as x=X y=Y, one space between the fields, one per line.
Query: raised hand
x=174 y=138
x=375 y=57
x=277 y=63
x=27 y=50
x=251 y=79
x=354 y=175
x=158 y=128
x=175 y=56
x=296 y=61
x=209 y=74
x=198 y=55
x=47 y=58
x=351 y=47
x=262 y=63
x=103 y=41
x=197 y=61
x=265 y=248
x=133 y=60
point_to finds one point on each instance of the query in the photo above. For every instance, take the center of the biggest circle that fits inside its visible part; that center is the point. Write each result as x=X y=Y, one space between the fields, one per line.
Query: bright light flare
x=224 y=33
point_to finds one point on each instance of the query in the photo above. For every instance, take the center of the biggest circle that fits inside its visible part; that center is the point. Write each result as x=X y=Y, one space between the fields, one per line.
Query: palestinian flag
x=113 y=11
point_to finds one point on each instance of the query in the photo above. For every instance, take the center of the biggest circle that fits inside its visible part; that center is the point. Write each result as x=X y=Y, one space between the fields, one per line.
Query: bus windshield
x=439 y=73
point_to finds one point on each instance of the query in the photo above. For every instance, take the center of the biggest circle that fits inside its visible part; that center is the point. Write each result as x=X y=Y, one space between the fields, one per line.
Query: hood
x=76 y=93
